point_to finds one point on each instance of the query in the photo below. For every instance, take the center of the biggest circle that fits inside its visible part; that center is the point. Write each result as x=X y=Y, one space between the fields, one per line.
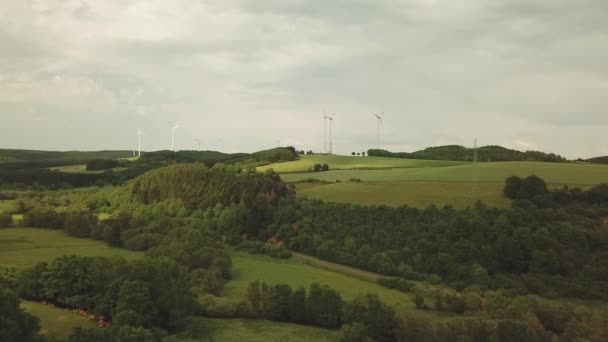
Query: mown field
x=241 y=330
x=420 y=183
x=28 y=246
x=419 y=194
x=56 y=322
x=82 y=168
x=348 y=162
x=247 y=268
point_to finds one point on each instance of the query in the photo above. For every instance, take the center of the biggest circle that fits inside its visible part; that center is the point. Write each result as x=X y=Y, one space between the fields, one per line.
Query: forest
x=461 y=153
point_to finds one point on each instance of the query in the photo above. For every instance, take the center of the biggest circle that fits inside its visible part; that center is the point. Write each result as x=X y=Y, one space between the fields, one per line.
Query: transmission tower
x=475 y=172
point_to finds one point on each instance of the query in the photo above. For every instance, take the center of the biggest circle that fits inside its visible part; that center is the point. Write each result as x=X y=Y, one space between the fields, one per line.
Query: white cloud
x=253 y=72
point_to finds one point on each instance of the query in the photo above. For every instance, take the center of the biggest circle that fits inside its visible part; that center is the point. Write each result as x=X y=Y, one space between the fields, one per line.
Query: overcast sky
x=241 y=75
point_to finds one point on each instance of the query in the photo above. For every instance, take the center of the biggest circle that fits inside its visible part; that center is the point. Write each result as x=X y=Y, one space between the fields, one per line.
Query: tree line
x=461 y=153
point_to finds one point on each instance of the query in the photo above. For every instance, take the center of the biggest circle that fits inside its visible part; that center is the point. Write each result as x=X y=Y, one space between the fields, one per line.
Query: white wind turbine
x=325 y=117
x=331 y=140
x=199 y=144
x=139 y=142
x=173 y=127
x=379 y=121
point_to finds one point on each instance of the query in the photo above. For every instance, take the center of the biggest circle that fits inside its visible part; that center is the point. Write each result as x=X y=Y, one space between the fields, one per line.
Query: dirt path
x=336 y=267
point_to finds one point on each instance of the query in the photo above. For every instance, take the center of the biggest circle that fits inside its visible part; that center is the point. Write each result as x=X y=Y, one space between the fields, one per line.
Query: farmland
x=348 y=163
x=28 y=246
x=56 y=322
x=420 y=183
x=248 y=268
x=238 y=330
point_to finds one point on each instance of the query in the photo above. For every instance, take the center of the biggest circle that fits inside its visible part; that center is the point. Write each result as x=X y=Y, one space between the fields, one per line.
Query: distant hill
x=461 y=153
x=212 y=157
x=15 y=159
x=598 y=160
x=208 y=157
x=14 y=155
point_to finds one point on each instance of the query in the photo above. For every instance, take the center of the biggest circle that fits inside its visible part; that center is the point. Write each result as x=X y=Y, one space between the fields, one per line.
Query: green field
x=419 y=194
x=56 y=322
x=82 y=168
x=28 y=246
x=420 y=183
x=247 y=268
x=554 y=173
x=348 y=162
x=241 y=330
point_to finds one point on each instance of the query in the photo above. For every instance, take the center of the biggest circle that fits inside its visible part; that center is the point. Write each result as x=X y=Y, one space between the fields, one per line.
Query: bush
x=79 y=225
x=398 y=284
x=513 y=331
x=41 y=217
x=6 y=220
x=102 y=164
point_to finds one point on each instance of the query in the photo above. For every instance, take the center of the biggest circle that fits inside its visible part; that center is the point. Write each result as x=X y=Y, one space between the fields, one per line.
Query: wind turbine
x=379 y=120
x=139 y=142
x=199 y=144
x=331 y=140
x=173 y=127
x=325 y=117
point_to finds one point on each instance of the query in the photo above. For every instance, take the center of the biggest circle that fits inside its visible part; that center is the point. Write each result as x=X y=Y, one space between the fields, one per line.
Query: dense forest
x=199 y=187
x=461 y=153
x=13 y=155
x=598 y=160
x=210 y=158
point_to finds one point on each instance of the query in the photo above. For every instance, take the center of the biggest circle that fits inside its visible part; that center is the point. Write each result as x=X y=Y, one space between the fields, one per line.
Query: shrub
x=396 y=283
x=41 y=217
x=102 y=164
x=6 y=220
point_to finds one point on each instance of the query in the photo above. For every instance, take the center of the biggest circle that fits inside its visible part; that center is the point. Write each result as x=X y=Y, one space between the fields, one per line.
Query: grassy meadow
x=247 y=268
x=240 y=330
x=349 y=162
x=56 y=322
x=28 y=246
x=419 y=194
x=420 y=183
x=82 y=168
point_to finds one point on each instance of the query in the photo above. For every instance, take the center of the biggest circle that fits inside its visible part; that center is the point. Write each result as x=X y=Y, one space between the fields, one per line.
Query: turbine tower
x=325 y=118
x=379 y=121
x=139 y=142
x=475 y=172
x=199 y=144
x=173 y=127
x=331 y=140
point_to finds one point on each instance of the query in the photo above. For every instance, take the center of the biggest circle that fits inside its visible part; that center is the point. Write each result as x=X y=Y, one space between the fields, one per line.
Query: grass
x=56 y=322
x=240 y=330
x=82 y=168
x=419 y=194
x=553 y=173
x=349 y=162
x=27 y=246
x=247 y=268
x=422 y=184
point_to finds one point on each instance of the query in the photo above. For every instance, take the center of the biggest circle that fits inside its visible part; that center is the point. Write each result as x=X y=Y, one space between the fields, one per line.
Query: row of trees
x=323 y=306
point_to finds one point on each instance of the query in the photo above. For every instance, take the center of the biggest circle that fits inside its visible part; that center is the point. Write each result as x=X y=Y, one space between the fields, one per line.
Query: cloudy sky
x=241 y=75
